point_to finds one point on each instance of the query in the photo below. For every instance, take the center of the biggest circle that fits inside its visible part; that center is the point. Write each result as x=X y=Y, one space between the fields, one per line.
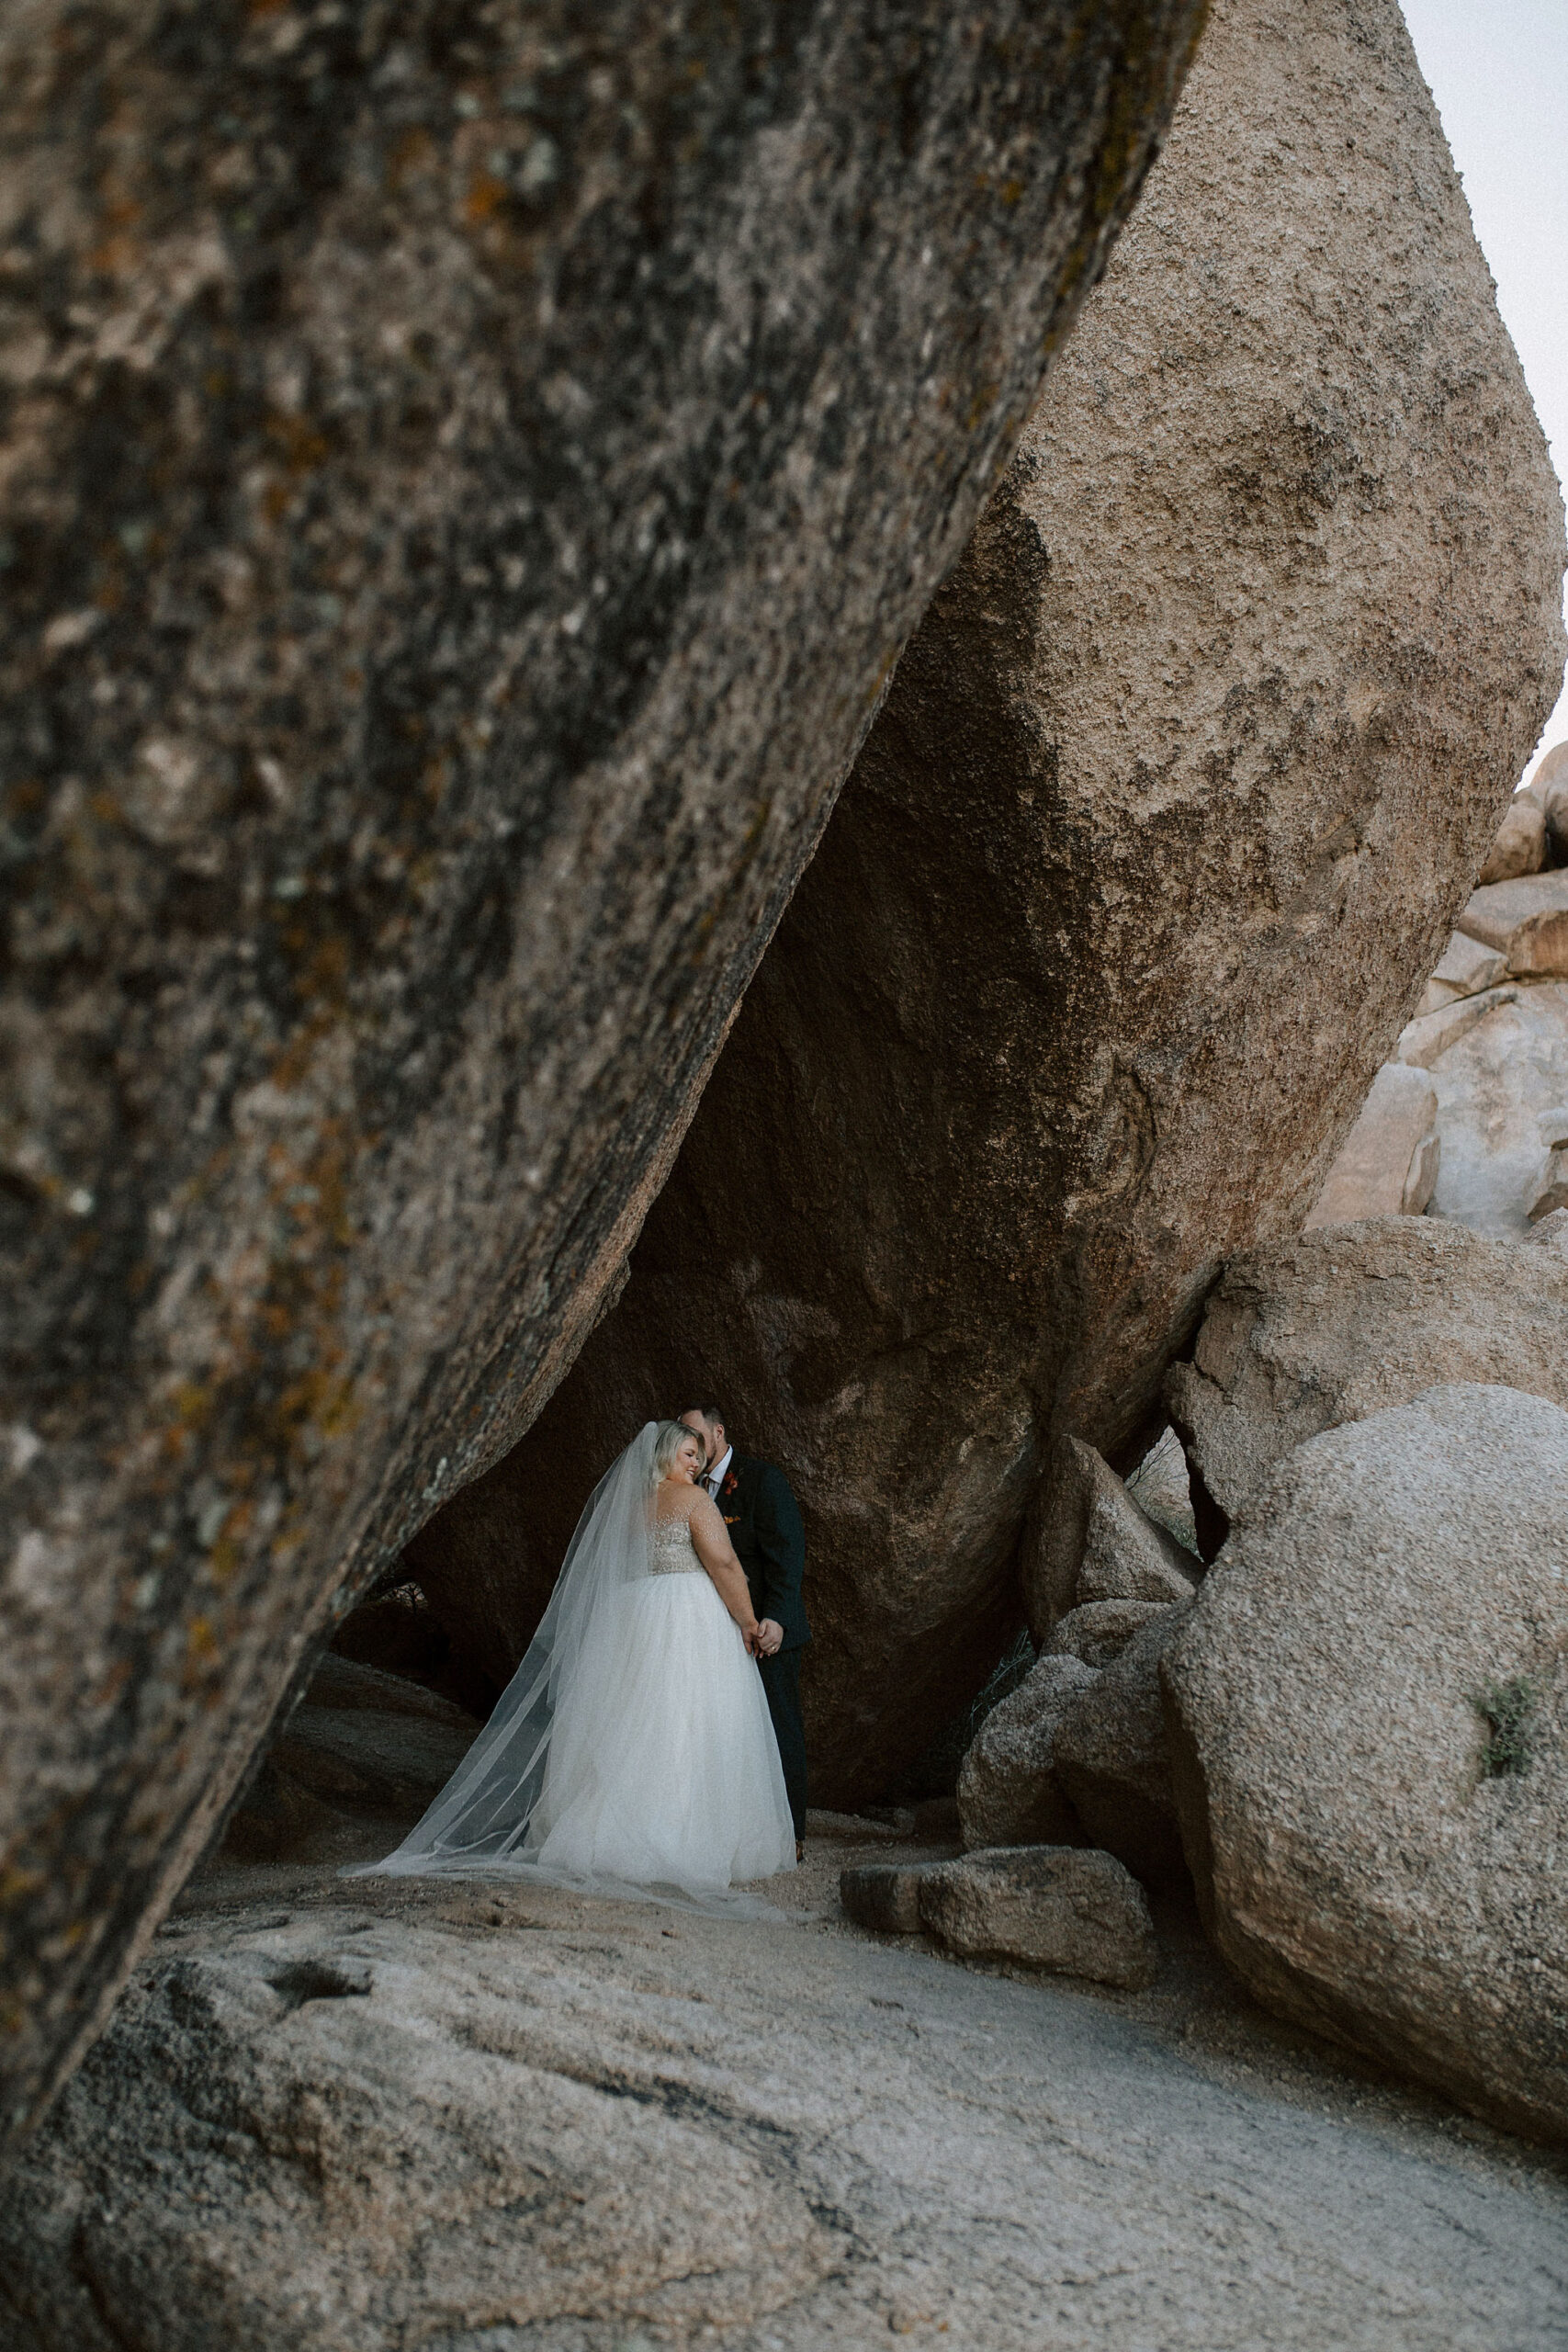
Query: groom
x=770 y=1543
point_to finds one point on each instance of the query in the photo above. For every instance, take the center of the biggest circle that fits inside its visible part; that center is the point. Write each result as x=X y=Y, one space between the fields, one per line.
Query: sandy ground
x=1004 y=2160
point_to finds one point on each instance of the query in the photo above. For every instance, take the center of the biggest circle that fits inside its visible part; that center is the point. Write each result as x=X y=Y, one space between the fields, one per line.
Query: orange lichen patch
x=118 y=252
x=112 y=1684
x=486 y=196
x=980 y=407
x=193 y=1404
x=304 y=447
x=415 y=151
x=202 y=1648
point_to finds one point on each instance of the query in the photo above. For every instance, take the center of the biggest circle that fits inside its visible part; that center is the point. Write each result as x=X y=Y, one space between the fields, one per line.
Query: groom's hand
x=770 y=1638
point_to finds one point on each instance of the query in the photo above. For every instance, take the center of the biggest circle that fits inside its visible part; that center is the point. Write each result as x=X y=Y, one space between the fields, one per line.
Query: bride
x=632 y=1749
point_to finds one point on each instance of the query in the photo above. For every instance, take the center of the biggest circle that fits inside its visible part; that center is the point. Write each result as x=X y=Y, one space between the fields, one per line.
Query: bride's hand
x=751 y=1636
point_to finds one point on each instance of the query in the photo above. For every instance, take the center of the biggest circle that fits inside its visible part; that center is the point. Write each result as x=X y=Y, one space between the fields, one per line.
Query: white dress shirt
x=712 y=1479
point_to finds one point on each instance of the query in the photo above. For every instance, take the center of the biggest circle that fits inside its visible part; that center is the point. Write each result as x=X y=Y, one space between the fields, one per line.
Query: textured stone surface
x=1170 y=807
x=1362 y=1868
x=1008 y=1790
x=1526 y=921
x=469 y=471
x=1342 y=1322
x=984 y=2157
x=1046 y=1906
x=1097 y=1631
x=1114 y=1759
x=1425 y=1040
x=1098 y=1544
x=1463 y=968
x=883 y=1896
x=1388 y=1163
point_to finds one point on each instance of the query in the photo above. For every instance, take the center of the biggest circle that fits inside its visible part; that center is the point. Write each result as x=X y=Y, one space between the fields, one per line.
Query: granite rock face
x=1172 y=803
x=1370 y=1730
x=468 y=472
x=345 y=2142
x=1349 y=1319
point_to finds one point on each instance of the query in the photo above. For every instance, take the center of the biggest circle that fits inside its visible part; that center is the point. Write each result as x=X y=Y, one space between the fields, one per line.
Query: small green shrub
x=1508 y=1709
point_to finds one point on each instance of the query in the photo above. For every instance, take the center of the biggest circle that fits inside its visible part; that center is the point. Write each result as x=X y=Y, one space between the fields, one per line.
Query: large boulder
x=1525 y=921
x=1346 y=1320
x=1503 y=1114
x=1171 y=805
x=1008 y=1790
x=1521 y=843
x=1045 y=1906
x=466 y=475
x=1112 y=1758
x=1371 y=1727
x=1388 y=1163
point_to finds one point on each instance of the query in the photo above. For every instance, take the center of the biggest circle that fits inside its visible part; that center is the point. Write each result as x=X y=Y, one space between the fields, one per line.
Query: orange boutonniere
x=730 y=1484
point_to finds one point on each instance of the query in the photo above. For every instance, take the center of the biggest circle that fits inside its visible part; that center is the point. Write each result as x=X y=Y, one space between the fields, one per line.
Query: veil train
x=557 y=1727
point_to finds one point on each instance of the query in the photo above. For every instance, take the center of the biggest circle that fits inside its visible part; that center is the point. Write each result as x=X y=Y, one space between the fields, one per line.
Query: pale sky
x=1498 y=70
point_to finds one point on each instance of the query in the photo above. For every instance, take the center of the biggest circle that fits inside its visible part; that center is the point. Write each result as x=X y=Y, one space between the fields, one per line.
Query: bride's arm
x=711 y=1542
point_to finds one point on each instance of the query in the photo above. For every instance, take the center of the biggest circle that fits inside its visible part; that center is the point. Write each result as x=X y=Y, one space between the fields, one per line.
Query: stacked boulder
x=1468 y=1121
x=1366 y=1708
x=1065 y=1797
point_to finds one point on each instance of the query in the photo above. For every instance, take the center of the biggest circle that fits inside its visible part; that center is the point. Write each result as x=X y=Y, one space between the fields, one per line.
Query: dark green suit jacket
x=764 y=1520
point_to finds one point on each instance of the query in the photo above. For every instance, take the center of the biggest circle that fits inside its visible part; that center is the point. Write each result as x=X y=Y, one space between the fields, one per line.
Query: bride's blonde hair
x=669 y=1436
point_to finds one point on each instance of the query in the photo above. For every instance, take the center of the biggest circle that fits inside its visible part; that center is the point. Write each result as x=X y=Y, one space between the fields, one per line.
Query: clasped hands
x=765 y=1638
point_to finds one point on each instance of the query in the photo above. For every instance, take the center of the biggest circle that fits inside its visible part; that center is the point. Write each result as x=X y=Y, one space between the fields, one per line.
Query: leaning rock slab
x=466 y=479
x=1367 y=1861
x=1008 y=1790
x=1111 y=1756
x=1342 y=1322
x=1046 y=1906
x=1231 y=688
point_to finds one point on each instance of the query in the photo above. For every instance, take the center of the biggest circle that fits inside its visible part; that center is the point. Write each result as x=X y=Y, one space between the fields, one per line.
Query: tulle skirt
x=663 y=1769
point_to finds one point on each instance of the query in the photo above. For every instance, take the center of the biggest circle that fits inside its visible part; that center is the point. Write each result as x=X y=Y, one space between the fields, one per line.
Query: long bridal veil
x=631 y=1752
x=485 y=1818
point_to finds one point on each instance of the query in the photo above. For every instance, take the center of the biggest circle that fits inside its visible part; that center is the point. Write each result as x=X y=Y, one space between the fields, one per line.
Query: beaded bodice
x=671 y=1550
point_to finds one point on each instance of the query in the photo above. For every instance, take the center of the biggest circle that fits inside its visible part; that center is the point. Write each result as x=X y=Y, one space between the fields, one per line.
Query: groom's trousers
x=781 y=1681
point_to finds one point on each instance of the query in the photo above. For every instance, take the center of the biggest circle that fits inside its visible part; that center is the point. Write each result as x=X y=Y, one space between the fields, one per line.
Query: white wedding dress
x=632 y=1750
